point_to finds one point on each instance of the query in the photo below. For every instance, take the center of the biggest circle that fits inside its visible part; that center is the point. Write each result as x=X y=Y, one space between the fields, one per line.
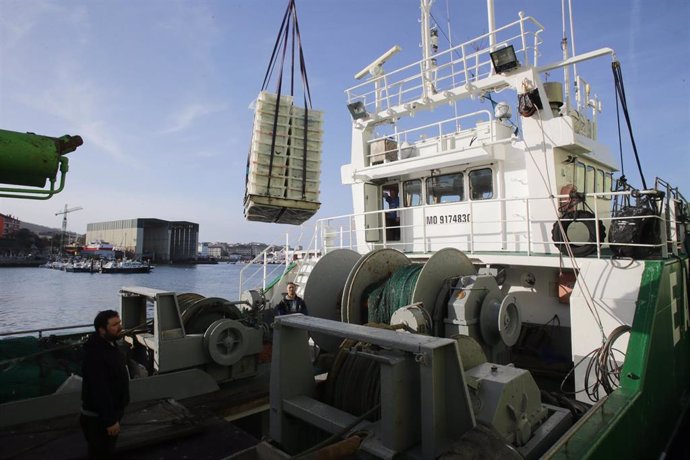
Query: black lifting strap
x=289 y=19
x=307 y=94
x=620 y=96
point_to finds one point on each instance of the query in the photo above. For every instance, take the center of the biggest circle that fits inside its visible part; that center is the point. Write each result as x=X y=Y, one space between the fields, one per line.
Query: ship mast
x=428 y=63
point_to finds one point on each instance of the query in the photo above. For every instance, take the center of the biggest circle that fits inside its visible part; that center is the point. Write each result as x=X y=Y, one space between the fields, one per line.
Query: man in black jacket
x=291 y=303
x=105 y=386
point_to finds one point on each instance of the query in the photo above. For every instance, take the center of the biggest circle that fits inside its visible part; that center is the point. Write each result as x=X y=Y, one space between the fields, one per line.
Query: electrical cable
x=620 y=91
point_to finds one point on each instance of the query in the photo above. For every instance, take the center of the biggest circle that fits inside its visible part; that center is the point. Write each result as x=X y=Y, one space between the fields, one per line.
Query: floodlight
x=357 y=110
x=504 y=59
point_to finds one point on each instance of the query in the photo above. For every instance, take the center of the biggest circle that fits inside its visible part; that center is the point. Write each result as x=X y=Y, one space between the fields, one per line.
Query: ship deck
x=197 y=427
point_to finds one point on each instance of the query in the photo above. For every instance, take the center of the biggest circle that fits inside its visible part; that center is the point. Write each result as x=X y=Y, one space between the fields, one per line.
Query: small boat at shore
x=125 y=266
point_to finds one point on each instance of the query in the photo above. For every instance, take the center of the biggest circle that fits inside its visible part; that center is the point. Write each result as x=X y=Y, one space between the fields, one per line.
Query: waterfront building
x=9 y=225
x=155 y=239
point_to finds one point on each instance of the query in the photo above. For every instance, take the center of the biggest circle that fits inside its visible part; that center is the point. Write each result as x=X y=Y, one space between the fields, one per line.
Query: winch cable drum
x=500 y=320
x=225 y=337
x=199 y=312
x=226 y=341
x=323 y=291
x=396 y=292
x=425 y=283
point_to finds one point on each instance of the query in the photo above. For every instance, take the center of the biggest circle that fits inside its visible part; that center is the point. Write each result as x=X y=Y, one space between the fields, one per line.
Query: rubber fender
x=578 y=250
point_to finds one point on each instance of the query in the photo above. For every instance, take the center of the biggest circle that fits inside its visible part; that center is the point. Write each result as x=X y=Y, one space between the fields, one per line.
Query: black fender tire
x=578 y=250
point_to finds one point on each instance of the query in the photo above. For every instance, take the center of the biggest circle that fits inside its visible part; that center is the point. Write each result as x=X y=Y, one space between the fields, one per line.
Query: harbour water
x=32 y=298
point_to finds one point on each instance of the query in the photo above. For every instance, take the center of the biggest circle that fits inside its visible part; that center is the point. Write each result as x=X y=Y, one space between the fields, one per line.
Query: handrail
x=521 y=234
x=44 y=329
x=375 y=93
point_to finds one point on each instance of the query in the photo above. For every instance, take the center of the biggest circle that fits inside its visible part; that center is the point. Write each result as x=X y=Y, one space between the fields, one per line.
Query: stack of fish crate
x=264 y=163
x=282 y=176
x=304 y=161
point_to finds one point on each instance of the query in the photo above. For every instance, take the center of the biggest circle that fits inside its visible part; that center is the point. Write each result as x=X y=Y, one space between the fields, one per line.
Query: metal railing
x=45 y=329
x=465 y=63
x=445 y=135
x=485 y=233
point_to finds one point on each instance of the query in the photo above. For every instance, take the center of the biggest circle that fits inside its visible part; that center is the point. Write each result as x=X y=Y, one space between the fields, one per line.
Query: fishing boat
x=125 y=266
x=534 y=303
x=498 y=291
x=98 y=248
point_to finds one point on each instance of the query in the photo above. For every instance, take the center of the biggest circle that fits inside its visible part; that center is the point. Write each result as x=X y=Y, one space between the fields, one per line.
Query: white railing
x=458 y=66
x=485 y=233
x=518 y=234
x=444 y=135
x=260 y=272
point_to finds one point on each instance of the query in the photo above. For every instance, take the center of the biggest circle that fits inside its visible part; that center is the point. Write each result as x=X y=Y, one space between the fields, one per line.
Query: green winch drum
x=29 y=159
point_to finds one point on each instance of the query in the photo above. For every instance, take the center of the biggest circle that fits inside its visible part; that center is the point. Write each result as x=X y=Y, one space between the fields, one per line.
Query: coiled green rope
x=396 y=292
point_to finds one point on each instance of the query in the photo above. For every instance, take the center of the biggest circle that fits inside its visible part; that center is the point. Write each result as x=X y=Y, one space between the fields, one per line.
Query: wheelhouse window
x=580 y=176
x=412 y=193
x=447 y=188
x=599 y=182
x=608 y=185
x=589 y=180
x=481 y=184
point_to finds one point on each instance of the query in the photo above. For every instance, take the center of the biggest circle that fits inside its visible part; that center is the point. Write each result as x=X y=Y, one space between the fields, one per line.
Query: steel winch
x=189 y=330
x=420 y=383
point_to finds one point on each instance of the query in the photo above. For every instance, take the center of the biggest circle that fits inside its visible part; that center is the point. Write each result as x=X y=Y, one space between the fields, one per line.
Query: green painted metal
x=637 y=420
x=29 y=160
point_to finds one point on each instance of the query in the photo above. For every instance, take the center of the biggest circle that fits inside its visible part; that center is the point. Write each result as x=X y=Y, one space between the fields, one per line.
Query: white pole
x=492 y=24
x=426 y=47
x=566 y=72
x=572 y=35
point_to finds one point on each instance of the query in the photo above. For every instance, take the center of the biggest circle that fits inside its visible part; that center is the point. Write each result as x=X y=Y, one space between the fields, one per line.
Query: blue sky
x=160 y=90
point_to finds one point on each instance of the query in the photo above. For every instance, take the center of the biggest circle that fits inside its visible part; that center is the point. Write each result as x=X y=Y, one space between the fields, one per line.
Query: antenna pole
x=427 y=88
x=566 y=71
x=492 y=24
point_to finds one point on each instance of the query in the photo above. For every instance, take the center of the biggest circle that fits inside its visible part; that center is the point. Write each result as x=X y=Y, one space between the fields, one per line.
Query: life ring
x=578 y=250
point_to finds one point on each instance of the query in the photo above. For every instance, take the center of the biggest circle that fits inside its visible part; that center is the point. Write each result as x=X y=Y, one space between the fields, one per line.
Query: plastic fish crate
x=312 y=134
x=296 y=194
x=309 y=173
x=264 y=148
x=278 y=168
x=267 y=96
x=267 y=116
x=312 y=115
x=296 y=161
x=313 y=144
x=278 y=210
x=296 y=184
x=267 y=127
x=262 y=189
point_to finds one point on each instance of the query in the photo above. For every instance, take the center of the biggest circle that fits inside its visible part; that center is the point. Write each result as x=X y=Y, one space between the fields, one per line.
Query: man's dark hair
x=102 y=318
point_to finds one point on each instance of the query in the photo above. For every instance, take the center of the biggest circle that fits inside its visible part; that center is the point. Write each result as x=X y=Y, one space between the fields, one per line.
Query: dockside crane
x=64 y=224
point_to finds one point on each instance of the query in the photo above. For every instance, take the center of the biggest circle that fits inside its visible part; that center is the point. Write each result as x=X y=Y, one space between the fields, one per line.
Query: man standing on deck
x=291 y=303
x=105 y=386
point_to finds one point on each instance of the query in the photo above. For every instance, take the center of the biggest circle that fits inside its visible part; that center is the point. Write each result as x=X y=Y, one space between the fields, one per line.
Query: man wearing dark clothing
x=105 y=386
x=291 y=303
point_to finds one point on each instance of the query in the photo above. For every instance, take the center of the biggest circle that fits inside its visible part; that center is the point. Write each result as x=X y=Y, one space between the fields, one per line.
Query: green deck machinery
x=30 y=160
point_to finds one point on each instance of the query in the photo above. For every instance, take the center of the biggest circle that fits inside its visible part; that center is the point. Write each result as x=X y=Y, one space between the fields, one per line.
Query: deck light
x=504 y=59
x=357 y=110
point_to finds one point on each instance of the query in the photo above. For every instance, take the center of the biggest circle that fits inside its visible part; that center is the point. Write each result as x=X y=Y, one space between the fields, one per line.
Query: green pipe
x=28 y=159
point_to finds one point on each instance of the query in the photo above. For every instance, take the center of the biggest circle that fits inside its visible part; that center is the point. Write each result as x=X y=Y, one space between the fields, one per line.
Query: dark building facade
x=155 y=239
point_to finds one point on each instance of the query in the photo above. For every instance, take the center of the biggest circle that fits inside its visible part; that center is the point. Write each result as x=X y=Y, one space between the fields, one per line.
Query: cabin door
x=372 y=222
